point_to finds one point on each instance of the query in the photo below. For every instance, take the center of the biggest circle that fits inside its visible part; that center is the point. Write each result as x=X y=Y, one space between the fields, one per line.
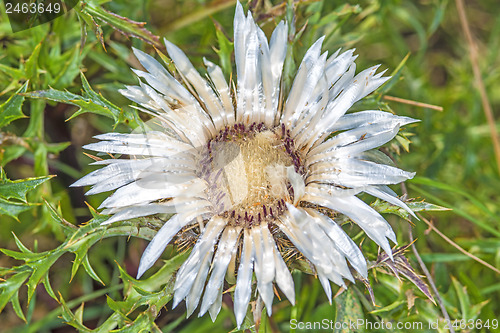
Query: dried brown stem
x=474 y=59
x=414 y=103
x=458 y=247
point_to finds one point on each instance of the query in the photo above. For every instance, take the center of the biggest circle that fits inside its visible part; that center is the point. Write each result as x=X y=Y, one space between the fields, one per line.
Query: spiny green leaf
x=56 y=215
x=143 y=323
x=15 y=73
x=90 y=271
x=155 y=292
x=12 y=108
x=80 y=254
x=141 y=291
x=17 y=306
x=20 y=245
x=48 y=287
x=17 y=189
x=348 y=308
x=404 y=142
x=121 y=307
x=70 y=317
x=13 y=209
x=395 y=77
x=420 y=206
x=25 y=256
x=79 y=313
x=95 y=231
x=11 y=152
x=85 y=104
x=40 y=270
x=10 y=287
x=165 y=273
x=70 y=70
x=122 y=24
x=225 y=49
x=31 y=65
x=97 y=98
x=389 y=307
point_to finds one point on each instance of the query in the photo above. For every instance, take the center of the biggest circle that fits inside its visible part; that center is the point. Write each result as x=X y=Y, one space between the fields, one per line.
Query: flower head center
x=248 y=170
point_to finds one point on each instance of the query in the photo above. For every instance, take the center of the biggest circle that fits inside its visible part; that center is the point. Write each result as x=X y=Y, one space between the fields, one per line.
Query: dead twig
x=458 y=247
x=414 y=103
x=474 y=59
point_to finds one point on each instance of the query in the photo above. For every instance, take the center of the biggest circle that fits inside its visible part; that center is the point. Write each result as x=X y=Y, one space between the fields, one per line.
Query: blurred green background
x=80 y=60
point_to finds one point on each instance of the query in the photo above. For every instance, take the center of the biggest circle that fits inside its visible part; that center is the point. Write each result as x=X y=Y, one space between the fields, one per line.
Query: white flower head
x=251 y=176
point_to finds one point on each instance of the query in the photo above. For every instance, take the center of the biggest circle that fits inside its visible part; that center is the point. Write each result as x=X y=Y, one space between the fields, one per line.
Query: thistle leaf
x=420 y=206
x=348 y=307
x=85 y=104
x=10 y=288
x=122 y=24
x=12 y=108
x=40 y=271
x=90 y=271
x=12 y=209
x=70 y=318
x=18 y=189
x=225 y=49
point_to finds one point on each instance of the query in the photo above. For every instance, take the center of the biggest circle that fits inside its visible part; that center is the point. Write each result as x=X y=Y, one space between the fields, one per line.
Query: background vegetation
x=58 y=88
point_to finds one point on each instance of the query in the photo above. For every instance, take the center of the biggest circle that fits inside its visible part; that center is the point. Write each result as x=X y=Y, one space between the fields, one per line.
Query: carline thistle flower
x=249 y=176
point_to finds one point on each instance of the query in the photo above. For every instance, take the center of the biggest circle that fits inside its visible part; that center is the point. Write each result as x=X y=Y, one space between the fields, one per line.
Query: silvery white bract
x=251 y=176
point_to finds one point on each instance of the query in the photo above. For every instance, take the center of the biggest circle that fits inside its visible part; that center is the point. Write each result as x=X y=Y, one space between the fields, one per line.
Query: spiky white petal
x=154 y=188
x=155 y=248
x=243 y=288
x=223 y=92
x=264 y=266
x=194 y=295
x=310 y=70
x=227 y=245
x=342 y=242
x=284 y=278
x=373 y=224
x=188 y=271
x=196 y=207
x=214 y=309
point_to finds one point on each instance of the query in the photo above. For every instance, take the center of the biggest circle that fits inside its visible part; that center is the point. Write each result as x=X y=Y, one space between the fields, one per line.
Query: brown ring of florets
x=251 y=160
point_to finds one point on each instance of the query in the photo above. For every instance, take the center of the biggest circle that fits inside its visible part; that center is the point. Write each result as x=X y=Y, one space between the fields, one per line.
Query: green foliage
x=89 y=102
x=349 y=308
x=16 y=190
x=92 y=13
x=58 y=86
x=12 y=108
x=422 y=206
x=225 y=50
